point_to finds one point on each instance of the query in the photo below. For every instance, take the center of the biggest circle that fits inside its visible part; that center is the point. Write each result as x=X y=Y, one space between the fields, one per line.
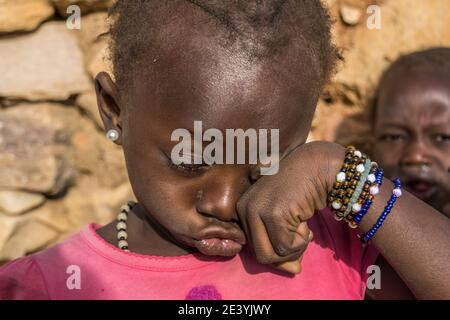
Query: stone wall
x=58 y=172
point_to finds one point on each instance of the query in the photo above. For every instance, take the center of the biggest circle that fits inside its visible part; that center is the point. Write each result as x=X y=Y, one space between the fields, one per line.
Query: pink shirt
x=87 y=267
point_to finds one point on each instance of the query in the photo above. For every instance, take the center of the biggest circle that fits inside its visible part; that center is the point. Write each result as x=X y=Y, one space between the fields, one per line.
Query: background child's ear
x=107 y=101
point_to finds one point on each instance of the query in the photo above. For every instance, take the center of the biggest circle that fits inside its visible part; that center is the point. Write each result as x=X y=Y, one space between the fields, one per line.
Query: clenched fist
x=275 y=210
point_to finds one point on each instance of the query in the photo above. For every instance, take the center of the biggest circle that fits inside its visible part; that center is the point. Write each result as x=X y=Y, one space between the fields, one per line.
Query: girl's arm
x=414 y=239
x=392 y=286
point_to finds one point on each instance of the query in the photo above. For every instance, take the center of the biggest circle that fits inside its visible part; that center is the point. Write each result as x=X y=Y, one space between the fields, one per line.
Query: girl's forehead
x=196 y=81
x=196 y=78
x=204 y=57
x=225 y=105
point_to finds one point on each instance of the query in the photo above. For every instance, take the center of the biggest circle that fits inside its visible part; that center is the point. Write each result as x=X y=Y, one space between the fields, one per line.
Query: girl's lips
x=218 y=247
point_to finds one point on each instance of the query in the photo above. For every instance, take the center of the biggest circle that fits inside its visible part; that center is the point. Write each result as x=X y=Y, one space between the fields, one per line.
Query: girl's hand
x=274 y=211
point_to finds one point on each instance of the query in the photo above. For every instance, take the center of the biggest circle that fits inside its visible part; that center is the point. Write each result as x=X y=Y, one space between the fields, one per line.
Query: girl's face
x=413 y=133
x=200 y=81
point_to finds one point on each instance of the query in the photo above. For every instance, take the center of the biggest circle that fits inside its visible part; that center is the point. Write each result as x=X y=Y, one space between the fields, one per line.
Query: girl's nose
x=219 y=197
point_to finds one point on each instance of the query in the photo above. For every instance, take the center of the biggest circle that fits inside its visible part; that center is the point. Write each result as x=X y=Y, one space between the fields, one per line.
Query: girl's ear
x=107 y=101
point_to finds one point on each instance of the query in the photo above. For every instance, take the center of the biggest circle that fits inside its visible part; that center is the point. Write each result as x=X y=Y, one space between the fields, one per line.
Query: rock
x=57 y=145
x=7 y=225
x=94 y=40
x=89 y=202
x=107 y=202
x=39 y=163
x=350 y=15
x=327 y=120
x=404 y=28
x=88 y=102
x=18 y=202
x=86 y=6
x=100 y=62
x=54 y=214
x=44 y=65
x=23 y=15
x=40 y=175
x=27 y=236
x=93 y=31
x=56 y=219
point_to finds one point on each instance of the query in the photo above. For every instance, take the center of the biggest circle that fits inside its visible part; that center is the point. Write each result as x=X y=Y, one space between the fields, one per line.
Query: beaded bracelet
x=374 y=190
x=364 y=198
x=346 y=181
x=345 y=197
x=364 y=170
x=351 y=190
x=396 y=193
x=349 y=166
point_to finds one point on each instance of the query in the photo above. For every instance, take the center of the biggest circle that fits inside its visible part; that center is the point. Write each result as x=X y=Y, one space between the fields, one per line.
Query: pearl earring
x=112 y=135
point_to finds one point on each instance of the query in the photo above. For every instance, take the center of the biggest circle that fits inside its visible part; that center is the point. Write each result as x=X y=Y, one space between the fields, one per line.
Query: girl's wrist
x=335 y=157
x=326 y=160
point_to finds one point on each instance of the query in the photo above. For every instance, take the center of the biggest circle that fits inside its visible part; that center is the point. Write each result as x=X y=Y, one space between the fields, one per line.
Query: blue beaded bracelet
x=397 y=192
x=374 y=190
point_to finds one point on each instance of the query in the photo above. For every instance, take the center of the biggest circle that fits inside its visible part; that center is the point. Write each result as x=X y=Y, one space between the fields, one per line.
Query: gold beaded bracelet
x=363 y=197
x=346 y=181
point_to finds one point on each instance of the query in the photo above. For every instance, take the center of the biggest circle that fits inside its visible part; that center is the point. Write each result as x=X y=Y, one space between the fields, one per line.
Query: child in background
x=412 y=125
x=224 y=231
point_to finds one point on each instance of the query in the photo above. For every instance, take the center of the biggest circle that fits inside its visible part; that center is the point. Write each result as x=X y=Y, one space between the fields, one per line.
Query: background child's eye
x=442 y=138
x=391 y=137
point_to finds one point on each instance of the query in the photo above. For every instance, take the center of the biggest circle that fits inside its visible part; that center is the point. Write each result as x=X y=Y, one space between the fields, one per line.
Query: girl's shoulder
x=27 y=277
x=22 y=279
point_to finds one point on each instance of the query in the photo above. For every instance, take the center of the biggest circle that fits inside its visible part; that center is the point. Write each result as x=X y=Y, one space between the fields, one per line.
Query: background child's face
x=200 y=80
x=412 y=131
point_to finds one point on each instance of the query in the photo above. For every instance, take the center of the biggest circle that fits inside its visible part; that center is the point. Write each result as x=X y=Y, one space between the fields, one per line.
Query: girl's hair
x=434 y=59
x=261 y=27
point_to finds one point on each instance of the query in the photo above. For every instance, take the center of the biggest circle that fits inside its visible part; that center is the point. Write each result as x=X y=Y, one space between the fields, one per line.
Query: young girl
x=224 y=231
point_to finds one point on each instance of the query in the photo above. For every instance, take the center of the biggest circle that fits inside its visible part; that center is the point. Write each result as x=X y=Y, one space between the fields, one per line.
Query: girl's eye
x=191 y=169
x=390 y=137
